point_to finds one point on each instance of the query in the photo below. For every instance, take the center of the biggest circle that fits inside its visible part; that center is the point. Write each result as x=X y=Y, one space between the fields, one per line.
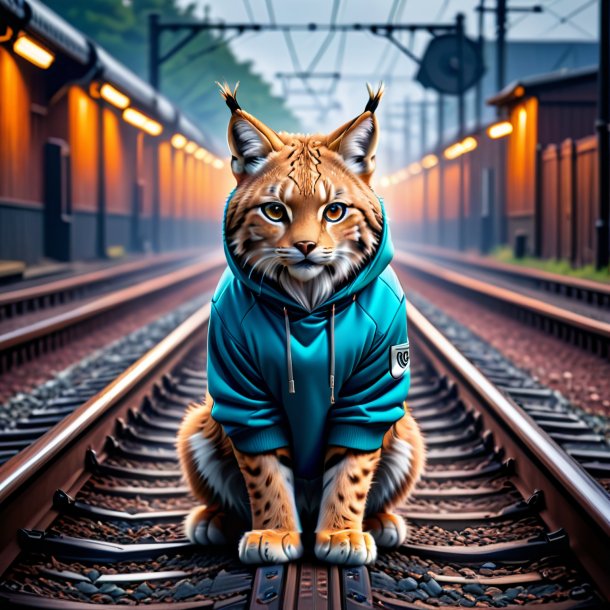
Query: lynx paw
x=204 y=526
x=270 y=546
x=345 y=547
x=388 y=529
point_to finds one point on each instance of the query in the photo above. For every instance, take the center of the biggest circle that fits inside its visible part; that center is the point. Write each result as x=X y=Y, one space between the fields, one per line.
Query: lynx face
x=303 y=214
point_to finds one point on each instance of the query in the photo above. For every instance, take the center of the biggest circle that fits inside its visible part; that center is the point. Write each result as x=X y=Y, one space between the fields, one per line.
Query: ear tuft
x=229 y=96
x=374 y=98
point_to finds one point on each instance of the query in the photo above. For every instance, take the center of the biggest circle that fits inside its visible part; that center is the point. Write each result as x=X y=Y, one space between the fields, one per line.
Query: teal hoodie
x=271 y=363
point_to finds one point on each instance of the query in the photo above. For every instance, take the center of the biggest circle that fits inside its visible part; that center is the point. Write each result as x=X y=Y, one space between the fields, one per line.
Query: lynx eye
x=335 y=212
x=275 y=212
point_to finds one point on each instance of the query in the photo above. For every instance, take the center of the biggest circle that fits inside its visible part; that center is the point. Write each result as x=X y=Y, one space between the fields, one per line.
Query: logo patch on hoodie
x=399 y=359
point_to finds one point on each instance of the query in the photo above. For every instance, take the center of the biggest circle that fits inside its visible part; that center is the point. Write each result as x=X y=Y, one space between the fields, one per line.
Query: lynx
x=304 y=437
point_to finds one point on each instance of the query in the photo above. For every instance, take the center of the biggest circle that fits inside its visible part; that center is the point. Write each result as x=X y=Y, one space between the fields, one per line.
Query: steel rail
x=118 y=298
x=519 y=272
x=574 y=500
x=54 y=461
x=58 y=454
x=80 y=280
x=594 y=328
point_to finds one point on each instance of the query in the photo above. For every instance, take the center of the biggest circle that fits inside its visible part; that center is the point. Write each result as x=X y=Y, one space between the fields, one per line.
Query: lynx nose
x=305 y=246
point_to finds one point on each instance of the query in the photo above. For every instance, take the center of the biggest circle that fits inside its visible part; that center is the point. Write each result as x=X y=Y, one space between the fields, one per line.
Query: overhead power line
x=327 y=40
x=249 y=11
x=567 y=19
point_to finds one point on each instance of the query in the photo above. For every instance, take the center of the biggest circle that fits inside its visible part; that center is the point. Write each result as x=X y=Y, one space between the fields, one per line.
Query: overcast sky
x=369 y=58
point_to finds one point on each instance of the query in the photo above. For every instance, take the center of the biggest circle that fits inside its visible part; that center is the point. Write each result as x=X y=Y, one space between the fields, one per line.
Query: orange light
x=429 y=161
x=453 y=151
x=414 y=168
x=459 y=148
x=153 y=128
x=137 y=119
x=519 y=91
x=218 y=164
x=468 y=144
x=178 y=141
x=499 y=130
x=202 y=154
x=190 y=147
x=114 y=96
x=33 y=52
x=522 y=117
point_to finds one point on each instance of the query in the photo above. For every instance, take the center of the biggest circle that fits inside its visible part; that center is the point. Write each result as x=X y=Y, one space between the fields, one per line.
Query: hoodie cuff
x=261 y=440
x=361 y=438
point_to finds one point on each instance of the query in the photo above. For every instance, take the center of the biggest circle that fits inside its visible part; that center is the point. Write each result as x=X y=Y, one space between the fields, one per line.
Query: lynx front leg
x=275 y=535
x=347 y=478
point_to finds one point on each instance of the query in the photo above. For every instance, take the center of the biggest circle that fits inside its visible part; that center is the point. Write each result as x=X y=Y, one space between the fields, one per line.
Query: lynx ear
x=356 y=141
x=250 y=140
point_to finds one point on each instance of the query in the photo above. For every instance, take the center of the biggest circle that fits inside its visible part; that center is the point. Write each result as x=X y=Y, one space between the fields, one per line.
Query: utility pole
x=459 y=32
x=602 y=125
x=462 y=130
x=407 y=130
x=423 y=136
x=153 y=50
x=440 y=122
x=501 y=10
x=500 y=45
x=479 y=85
x=424 y=149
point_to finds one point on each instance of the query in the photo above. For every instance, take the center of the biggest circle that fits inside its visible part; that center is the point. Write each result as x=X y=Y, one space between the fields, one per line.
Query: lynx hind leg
x=207 y=525
x=211 y=471
x=402 y=462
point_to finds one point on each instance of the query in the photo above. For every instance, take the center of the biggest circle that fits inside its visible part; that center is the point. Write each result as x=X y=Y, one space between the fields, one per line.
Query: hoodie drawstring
x=289 y=354
x=291 y=389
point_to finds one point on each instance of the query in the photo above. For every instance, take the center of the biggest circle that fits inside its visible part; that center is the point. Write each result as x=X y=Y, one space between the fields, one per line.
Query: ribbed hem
x=263 y=439
x=362 y=438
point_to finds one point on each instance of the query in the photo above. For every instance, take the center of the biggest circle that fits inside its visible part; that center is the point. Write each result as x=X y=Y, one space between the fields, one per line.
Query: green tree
x=188 y=78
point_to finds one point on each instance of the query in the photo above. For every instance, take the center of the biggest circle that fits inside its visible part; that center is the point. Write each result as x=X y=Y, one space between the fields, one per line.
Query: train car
x=94 y=162
x=549 y=113
x=529 y=180
x=452 y=196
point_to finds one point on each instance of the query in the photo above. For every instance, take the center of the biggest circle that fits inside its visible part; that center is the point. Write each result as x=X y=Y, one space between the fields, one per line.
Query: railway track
x=576 y=328
x=26 y=342
x=503 y=517
x=27 y=416
x=581 y=435
x=591 y=293
x=44 y=295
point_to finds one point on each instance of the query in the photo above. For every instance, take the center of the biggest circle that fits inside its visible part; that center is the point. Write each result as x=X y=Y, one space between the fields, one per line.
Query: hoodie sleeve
x=372 y=398
x=242 y=401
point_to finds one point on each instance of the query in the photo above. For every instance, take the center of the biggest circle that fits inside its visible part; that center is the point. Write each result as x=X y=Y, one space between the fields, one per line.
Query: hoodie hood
x=270 y=291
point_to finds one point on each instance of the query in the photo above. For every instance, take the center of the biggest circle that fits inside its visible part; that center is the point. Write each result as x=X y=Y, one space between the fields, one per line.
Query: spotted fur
x=256 y=495
x=309 y=256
